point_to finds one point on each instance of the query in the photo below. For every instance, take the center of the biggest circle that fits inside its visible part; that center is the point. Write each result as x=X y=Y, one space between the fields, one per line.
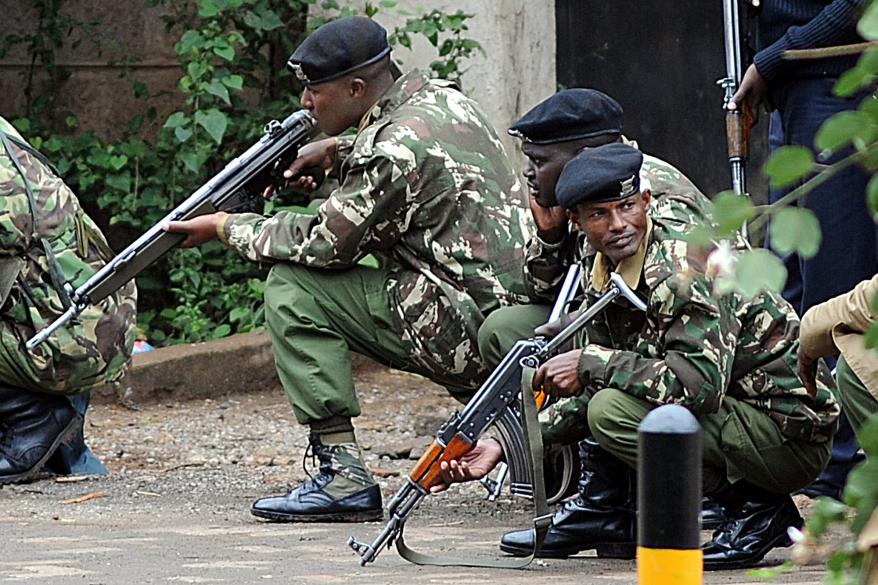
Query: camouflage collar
x=399 y=93
x=630 y=269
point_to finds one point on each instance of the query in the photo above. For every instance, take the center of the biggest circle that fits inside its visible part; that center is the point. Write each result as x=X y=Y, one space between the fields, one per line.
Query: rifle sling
x=542 y=518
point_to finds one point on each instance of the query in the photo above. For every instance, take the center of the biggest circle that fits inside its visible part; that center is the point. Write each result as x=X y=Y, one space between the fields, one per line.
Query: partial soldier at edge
x=48 y=243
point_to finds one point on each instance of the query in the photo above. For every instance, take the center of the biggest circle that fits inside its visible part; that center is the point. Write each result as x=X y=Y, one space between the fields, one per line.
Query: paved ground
x=183 y=474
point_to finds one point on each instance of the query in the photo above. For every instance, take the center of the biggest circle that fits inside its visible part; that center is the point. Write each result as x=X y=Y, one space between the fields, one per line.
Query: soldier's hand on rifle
x=472 y=466
x=300 y=175
x=198 y=230
x=552 y=224
x=808 y=370
x=560 y=375
x=751 y=93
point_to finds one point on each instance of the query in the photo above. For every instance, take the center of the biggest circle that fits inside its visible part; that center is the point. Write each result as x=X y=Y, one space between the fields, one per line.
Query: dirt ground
x=175 y=507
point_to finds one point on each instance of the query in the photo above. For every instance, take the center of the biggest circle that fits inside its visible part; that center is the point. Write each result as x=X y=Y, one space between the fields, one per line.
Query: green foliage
x=855 y=127
x=730 y=212
x=232 y=56
x=795 y=229
x=872 y=197
x=452 y=50
x=862 y=75
x=789 y=164
x=868 y=25
x=860 y=497
x=759 y=270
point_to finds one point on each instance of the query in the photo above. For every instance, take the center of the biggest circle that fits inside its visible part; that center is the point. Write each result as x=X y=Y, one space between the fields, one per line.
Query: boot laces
x=319 y=454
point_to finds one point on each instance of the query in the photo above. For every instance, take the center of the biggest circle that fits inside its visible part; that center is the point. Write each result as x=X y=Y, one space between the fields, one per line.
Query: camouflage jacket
x=427 y=189
x=694 y=347
x=675 y=199
x=97 y=347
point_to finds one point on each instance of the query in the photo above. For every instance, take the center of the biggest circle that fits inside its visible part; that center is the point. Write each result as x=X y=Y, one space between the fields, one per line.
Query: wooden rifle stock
x=738 y=125
x=427 y=472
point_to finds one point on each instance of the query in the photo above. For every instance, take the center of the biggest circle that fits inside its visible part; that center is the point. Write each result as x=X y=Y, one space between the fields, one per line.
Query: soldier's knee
x=605 y=413
x=494 y=338
x=284 y=279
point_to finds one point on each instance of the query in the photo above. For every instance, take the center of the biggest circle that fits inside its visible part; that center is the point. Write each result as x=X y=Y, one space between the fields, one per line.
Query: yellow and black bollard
x=669 y=498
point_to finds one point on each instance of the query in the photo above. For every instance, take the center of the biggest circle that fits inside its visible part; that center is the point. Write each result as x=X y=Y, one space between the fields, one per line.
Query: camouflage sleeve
x=366 y=212
x=546 y=264
x=695 y=345
x=344 y=145
x=16 y=223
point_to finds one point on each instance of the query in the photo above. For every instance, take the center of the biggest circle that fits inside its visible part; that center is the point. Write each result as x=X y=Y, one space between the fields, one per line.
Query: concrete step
x=232 y=365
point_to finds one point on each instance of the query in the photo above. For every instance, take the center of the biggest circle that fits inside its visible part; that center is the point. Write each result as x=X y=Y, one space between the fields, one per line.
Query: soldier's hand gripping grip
x=427 y=472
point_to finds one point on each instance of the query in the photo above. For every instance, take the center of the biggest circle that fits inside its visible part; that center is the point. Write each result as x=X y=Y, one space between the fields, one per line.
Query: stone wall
x=517 y=70
x=94 y=91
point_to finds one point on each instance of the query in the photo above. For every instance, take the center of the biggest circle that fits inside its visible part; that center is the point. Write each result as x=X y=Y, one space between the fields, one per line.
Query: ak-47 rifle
x=738 y=121
x=496 y=399
x=509 y=427
x=236 y=187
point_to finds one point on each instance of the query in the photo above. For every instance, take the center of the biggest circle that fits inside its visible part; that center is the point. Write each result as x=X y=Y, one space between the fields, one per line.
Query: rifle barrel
x=217 y=194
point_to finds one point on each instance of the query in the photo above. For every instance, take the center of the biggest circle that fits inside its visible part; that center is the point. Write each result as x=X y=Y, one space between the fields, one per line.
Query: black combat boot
x=713 y=514
x=603 y=517
x=33 y=426
x=757 y=522
x=342 y=491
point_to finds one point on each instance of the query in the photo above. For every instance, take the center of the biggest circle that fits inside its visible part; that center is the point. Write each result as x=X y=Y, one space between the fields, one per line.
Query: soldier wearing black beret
x=730 y=359
x=601 y=191
x=338 y=48
x=552 y=133
x=608 y=173
x=426 y=188
x=572 y=114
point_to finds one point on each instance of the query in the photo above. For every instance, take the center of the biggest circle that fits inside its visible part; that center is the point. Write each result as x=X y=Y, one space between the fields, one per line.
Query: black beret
x=570 y=114
x=338 y=48
x=596 y=175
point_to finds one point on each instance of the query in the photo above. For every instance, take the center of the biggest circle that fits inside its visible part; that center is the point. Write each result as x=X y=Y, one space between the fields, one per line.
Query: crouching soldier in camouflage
x=552 y=133
x=730 y=360
x=47 y=242
x=426 y=188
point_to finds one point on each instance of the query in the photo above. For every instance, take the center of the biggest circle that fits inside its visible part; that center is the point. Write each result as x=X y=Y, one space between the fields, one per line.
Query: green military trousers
x=856 y=400
x=505 y=326
x=740 y=442
x=315 y=317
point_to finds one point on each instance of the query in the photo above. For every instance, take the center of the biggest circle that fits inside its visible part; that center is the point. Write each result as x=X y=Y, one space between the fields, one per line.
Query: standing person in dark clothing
x=800 y=97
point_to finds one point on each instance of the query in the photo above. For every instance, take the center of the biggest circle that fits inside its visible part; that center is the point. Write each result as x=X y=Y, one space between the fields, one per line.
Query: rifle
x=495 y=400
x=739 y=121
x=511 y=433
x=235 y=187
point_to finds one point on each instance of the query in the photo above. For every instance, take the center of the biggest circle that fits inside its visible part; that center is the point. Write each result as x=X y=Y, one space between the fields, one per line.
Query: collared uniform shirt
x=694 y=347
x=426 y=188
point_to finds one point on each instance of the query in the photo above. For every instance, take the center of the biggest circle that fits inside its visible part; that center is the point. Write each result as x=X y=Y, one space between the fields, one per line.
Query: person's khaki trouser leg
x=740 y=442
x=858 y=403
